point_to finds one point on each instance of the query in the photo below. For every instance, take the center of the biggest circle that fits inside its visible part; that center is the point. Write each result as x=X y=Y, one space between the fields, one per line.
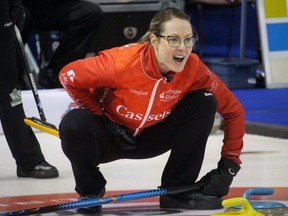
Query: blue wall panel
x=277 y=36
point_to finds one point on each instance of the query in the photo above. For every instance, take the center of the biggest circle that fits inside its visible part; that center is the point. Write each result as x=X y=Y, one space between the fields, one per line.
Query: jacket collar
x=149 y=62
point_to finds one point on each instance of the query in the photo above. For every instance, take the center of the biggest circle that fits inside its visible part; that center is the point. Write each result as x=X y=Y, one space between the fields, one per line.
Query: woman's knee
x=201 y=101
x=72 y=130
x=73 y=122
x=207 y=101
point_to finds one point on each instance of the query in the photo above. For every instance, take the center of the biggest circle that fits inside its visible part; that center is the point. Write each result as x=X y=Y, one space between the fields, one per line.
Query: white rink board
x=55 y=103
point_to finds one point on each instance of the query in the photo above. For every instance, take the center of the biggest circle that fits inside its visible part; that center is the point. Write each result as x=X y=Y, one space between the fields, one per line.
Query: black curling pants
x=21 y=140
x=87 y=143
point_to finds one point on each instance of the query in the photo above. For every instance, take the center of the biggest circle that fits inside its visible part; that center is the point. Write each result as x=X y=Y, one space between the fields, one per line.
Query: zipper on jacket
x=149 y=107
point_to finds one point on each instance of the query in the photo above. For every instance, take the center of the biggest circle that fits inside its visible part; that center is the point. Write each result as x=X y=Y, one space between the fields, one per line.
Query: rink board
x=55 y=103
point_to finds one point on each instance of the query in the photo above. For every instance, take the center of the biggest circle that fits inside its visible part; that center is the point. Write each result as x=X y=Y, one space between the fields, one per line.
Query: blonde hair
x=159 y=19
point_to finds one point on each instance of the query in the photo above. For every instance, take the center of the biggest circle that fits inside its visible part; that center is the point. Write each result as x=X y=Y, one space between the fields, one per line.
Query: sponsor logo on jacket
x=125 y=112
x=170 y=94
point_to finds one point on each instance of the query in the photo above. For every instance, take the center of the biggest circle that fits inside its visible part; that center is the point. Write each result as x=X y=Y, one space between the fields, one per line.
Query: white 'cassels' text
x=123 y=111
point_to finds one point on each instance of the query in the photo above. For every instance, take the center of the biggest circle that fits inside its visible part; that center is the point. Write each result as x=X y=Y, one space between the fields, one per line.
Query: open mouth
x=178 y=58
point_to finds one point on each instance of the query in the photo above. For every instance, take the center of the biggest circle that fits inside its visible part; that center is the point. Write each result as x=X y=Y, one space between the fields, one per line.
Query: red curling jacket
x=126 y=82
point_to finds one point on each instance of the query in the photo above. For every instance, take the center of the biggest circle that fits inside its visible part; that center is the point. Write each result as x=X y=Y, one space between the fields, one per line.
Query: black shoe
x=42 y=170
x=195 y=200
x=92 y=209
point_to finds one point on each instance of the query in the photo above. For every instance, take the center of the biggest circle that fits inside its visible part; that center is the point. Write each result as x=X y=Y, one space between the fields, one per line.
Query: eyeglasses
x=175 y=41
